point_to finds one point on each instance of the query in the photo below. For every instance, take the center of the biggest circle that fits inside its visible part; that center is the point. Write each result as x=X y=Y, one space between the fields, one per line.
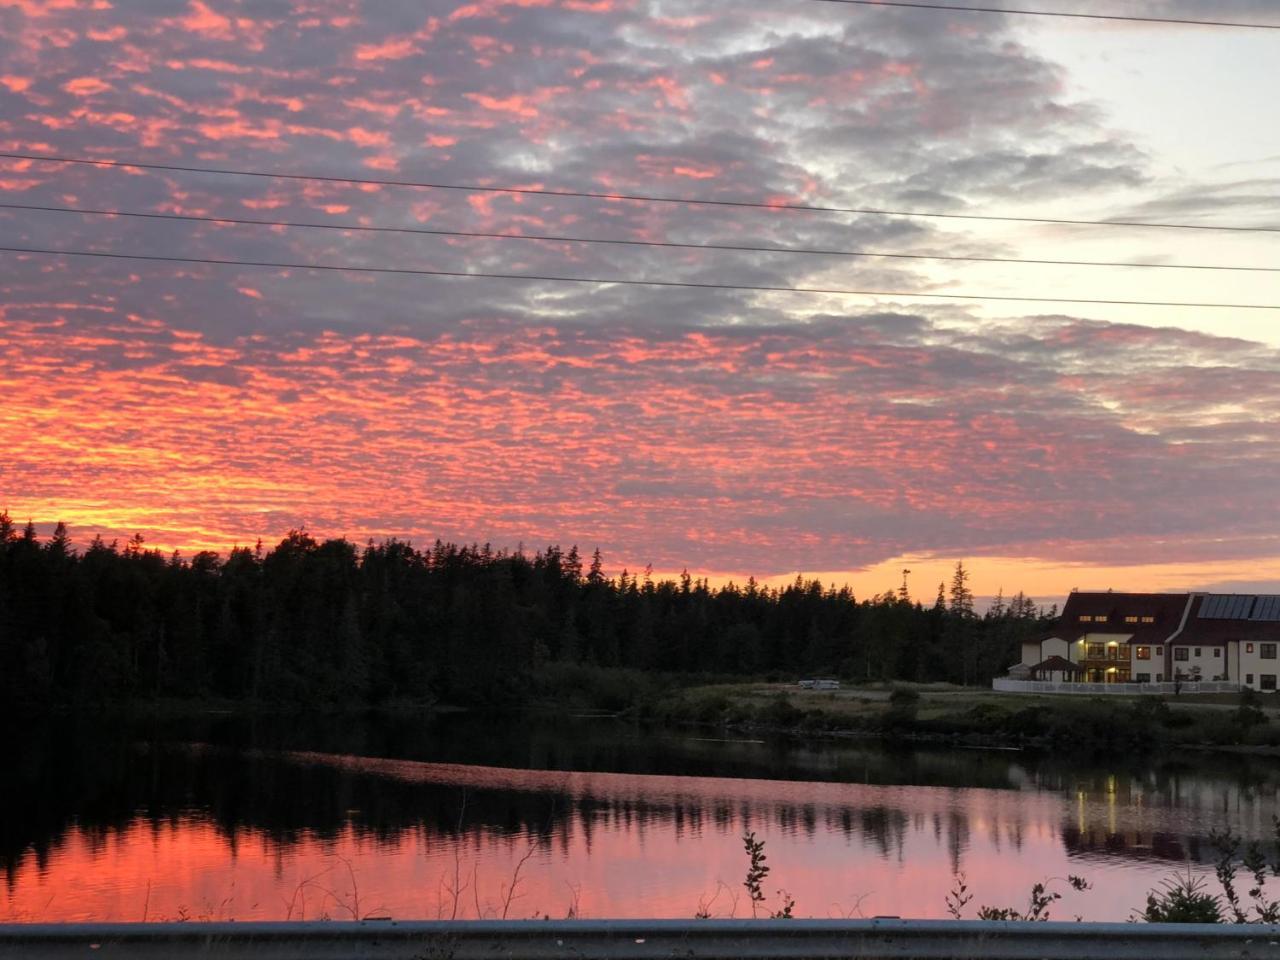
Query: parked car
x=807 y=684
x=826 y=684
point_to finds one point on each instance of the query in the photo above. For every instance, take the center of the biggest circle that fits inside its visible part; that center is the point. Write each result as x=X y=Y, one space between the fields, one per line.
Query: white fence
x=1005 y=685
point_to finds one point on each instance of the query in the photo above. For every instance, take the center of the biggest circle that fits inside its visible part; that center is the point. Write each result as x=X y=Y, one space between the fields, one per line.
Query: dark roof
x=1057 y=664
x=1213 y=619
x=1215 y=630
x=1165 y=608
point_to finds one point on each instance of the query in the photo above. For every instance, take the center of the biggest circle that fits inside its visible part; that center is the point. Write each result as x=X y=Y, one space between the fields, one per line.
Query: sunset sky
x=731 y=432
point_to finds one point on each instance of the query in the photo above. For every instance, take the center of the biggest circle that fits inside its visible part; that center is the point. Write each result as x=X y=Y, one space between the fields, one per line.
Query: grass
x=1111 y=724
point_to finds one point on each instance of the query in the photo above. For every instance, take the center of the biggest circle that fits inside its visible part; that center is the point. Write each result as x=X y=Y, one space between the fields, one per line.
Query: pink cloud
x=390 y=49
x=86 y=86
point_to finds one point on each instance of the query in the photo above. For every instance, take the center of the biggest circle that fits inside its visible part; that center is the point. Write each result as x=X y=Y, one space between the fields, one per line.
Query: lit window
x=1248 y=648
x=1148 y=619
x=1144 y=653
x=1130 y=619
x=1086 y=619
x=1097 y=651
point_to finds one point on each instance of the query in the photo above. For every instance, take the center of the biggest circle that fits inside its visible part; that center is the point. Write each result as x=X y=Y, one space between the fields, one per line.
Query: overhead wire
x=631 y=197
x=1020 y=12
x=625 y=281
x=660 y=244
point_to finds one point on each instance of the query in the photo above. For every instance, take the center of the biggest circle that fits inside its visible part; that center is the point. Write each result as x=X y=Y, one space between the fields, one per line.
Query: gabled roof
x=1057 y=665
x=1211 y=619
x=1165 y=609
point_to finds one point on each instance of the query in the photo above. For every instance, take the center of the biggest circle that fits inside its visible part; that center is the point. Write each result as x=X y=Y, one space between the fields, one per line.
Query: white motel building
x=1110 y=638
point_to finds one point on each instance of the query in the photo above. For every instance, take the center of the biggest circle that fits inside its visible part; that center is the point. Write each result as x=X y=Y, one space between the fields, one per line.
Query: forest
x=331 y=624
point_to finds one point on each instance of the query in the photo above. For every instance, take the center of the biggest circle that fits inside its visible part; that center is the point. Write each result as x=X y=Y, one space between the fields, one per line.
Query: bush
x=1182 y=900
x=781 y=712
x=904 y=697
x=709 y=709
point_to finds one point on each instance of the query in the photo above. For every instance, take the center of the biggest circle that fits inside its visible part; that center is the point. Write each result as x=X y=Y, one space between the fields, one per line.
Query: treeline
x=329 y=623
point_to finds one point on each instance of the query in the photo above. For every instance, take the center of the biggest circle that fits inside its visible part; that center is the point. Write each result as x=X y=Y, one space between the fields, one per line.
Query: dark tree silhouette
x=329 y=624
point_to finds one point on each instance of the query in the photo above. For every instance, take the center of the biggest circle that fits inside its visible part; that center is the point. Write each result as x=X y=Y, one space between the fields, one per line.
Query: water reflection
x=269 y=820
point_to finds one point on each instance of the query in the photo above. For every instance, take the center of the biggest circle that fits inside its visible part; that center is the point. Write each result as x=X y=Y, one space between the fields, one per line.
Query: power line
x=609 y=281
x=1055 y=13
x=633 y=197
x=675 y=245
x=671 y=244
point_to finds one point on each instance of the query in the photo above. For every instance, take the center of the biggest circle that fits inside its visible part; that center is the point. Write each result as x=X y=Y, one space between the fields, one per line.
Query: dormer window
x=1130 y=619
x=1148 y=619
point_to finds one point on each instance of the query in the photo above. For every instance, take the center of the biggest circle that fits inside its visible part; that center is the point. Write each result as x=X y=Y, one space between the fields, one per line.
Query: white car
x=807 y=684
x=826 y=685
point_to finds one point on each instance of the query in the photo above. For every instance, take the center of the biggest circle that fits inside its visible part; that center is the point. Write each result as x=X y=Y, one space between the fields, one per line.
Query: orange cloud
x=86 y=86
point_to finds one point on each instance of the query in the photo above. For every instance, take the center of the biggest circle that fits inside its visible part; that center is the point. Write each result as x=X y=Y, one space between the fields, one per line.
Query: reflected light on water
x=439 y=840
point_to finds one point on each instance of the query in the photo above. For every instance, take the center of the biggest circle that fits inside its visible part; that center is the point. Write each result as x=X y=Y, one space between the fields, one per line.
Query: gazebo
x=1056 y=668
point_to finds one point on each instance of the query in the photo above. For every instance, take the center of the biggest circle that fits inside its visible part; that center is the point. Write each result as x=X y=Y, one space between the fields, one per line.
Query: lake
x=461 y=816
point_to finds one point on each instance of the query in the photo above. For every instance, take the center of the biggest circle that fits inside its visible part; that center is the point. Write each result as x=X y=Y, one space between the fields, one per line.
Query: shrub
x=1182 y=900
x=781 y=712
x=904 y=697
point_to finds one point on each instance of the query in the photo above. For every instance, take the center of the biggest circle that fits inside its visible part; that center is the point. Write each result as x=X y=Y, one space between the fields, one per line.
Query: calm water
x=418 y=818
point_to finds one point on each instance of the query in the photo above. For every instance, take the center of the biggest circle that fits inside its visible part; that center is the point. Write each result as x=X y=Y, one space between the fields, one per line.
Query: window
x=1148 y=619
x=1217 y=651
x=1197 y=651
x=1144 y=653
x=1268 y=681
x=1248 y=679
x=1180 y=653
x=1159 y=678
x=1248 y=648
x=1130 y=619
x=1159 y=651
x=1267 y=651
x=1085 y=618
x=1096 y=651
x=1122 y=651
x=1144 y=678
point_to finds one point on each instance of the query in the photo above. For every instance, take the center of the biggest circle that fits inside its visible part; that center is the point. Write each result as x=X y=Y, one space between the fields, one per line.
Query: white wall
x=1035 y=652
x=1252 y=663
x=1211 y=666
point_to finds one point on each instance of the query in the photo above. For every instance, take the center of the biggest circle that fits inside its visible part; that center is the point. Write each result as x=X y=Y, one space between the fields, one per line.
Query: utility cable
x=609 y=281
x=1055 y=13
x=634 y=197
x=665 y=244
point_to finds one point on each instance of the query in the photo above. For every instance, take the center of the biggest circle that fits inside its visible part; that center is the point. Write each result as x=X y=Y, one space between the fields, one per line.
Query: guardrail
x=643 y=940
x=1006 y=685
